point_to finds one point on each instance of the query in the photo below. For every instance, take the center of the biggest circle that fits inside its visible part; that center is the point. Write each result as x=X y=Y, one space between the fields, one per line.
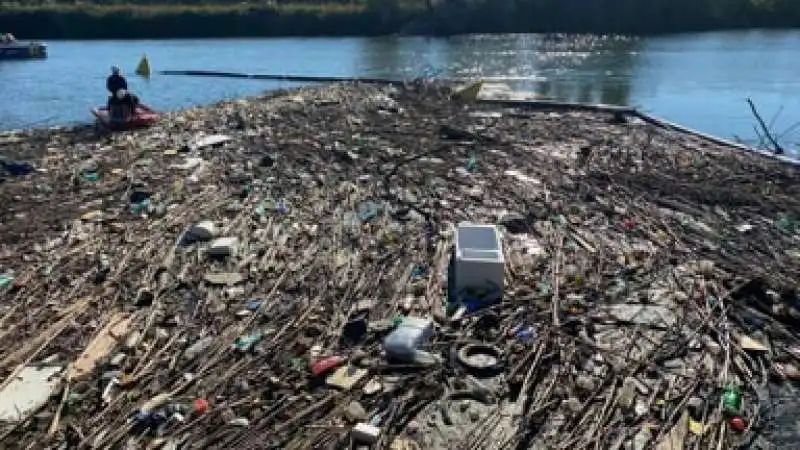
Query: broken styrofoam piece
x=210 y=141
x=346 y=377
x=226 y=246
x=519 y=176
x=405 y=340
x=189 y=164
x=197 y=174
x=366 y=433
x=224 y=278
x=748 y=343
x=27 y=392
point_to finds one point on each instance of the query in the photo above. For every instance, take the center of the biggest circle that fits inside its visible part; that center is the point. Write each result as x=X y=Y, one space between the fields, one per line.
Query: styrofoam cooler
x=479 y=259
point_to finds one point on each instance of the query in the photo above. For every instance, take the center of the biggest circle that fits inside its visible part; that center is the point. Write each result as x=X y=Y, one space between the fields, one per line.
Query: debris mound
x=277 y=273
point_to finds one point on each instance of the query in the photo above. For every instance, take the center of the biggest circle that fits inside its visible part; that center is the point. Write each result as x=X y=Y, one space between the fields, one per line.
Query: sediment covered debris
x=239 y=294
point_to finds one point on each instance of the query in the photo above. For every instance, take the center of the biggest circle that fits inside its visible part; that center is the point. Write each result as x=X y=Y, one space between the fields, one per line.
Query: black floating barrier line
x=294 y=78
x=556 y=105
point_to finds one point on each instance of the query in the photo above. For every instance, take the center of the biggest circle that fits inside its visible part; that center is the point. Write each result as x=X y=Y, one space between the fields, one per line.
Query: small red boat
x=142 y=118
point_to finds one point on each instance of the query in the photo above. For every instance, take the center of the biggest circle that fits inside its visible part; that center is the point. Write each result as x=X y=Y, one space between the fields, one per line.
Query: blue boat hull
x=23 y=51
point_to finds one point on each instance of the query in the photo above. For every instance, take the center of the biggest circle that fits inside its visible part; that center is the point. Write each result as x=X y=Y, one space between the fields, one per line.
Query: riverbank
x=660 y=266
x=169 y=20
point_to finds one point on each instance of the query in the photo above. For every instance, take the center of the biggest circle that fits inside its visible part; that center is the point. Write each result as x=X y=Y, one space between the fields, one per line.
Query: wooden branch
x=776 y=146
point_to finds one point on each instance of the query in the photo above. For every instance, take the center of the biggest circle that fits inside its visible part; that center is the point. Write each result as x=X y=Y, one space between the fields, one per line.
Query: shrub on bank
x=163 y=19
x=189 y=21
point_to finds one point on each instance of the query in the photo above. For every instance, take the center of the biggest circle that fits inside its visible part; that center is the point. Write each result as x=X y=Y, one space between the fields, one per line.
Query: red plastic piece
x=201 y=406
x=629 y=224
x=326 y=365
x=738 y=424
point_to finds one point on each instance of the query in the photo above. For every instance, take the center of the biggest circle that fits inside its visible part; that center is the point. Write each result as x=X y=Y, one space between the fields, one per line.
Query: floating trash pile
x=295 y=272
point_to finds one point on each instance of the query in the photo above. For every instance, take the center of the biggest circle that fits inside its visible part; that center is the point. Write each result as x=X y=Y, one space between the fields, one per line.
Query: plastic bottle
x=6 y=280
x=246 y=343
x=198 y=347
x=732 y=400
x=526 y=334
x=282 y=207
x=418 y=273
x=472 y=164
x=91 y=176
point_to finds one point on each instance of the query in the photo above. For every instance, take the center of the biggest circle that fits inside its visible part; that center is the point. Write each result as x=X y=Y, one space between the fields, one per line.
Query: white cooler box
x=479 y=258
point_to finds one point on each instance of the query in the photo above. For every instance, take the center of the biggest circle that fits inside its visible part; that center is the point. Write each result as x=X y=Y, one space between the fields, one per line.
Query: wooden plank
x=101 y=345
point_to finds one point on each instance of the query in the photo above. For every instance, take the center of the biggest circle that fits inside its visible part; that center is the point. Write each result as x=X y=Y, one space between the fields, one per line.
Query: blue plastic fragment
x=253 y=305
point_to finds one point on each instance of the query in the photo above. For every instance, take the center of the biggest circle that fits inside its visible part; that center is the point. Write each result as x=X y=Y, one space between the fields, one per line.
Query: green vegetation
x=167 y=20
x=218 y=18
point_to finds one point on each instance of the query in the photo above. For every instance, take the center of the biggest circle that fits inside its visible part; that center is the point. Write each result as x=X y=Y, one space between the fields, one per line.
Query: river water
x=699 y=80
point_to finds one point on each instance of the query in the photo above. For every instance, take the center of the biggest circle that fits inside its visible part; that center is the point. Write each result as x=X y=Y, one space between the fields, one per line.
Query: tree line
x=198 y=18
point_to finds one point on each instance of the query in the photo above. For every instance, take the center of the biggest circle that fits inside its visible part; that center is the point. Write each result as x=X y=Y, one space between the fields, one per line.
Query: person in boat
x=116 y=110
x=116 y=81
x=132 y=101
x=9 y=38
x=122 y=105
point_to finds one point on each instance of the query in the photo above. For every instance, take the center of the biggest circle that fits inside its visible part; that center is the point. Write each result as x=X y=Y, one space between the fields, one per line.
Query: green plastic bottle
x=246 y=343
x=472 y=164
x=92 y=176
x=732 y=400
